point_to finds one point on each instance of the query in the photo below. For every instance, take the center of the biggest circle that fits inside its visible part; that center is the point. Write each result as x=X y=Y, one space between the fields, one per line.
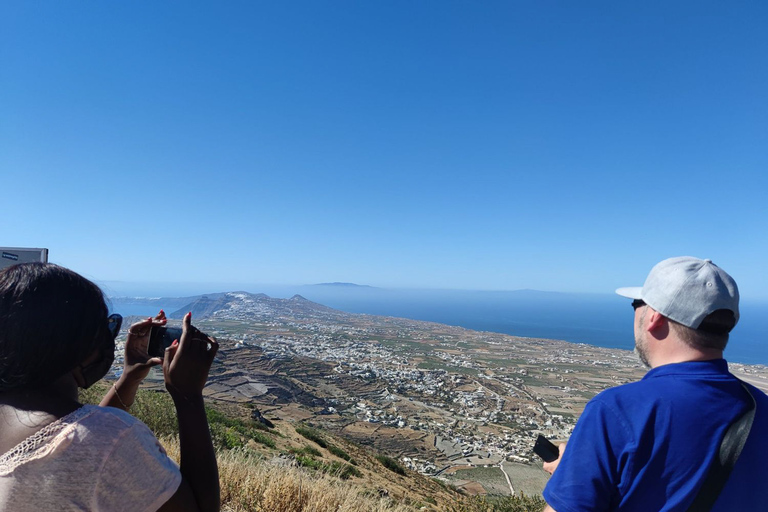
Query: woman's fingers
x=140 y=329
x=214 y=347
x=170 y=353
x=193 y=339
x=144 y=327
x=160 y=319
x=187 y=372
x=205 y=347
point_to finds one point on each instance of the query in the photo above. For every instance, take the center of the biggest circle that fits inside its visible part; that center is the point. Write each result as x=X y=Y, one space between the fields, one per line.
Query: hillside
x=257 y=306
x=294 y=467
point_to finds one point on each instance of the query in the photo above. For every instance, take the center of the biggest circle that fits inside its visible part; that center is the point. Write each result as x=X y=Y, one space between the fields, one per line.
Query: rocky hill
x=255 y=306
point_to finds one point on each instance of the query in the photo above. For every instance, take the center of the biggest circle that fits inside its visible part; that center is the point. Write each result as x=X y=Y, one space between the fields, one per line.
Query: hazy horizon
x=172 y=289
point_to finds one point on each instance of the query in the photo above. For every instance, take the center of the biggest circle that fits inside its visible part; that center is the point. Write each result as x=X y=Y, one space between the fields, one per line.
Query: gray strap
x=730 y=449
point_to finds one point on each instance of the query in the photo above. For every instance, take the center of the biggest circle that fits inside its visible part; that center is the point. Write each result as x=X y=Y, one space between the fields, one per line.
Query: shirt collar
x=710 y=367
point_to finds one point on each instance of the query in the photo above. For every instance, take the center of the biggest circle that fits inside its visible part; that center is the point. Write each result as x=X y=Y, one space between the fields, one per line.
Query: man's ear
x=655 y=321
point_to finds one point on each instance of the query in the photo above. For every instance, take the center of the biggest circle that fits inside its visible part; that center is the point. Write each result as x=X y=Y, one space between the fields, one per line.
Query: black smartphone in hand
x=162 y=338
x=545 y=449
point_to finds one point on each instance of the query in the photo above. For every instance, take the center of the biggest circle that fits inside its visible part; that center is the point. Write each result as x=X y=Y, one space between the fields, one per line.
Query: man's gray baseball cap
x=686 y=290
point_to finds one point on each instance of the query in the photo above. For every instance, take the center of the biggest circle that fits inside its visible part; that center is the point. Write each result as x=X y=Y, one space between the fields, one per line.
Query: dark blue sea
x=595 y=319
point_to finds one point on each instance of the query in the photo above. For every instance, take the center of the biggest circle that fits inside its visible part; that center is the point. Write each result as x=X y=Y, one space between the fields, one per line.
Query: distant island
x=344 y=285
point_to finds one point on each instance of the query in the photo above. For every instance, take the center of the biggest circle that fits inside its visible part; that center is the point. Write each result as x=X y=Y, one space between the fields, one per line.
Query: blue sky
x=563 y=146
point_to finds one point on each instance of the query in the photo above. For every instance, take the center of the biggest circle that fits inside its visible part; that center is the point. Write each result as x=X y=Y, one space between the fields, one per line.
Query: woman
x=56 y=337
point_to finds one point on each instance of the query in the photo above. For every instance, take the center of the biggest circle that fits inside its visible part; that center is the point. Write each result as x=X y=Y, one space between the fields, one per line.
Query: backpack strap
x=730 y=449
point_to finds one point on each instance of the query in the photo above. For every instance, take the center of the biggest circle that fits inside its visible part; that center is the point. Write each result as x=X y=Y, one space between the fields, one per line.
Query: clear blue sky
x=484 y=145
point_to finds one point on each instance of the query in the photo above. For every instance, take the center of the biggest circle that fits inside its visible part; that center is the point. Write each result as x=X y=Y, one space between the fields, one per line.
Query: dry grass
x=250 y=484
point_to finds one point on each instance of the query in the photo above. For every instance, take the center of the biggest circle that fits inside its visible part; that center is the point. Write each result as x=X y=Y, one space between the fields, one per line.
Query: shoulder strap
x=730 y=449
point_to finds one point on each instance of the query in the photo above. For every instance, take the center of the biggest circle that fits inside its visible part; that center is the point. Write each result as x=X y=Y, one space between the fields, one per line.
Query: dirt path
x=511 y=489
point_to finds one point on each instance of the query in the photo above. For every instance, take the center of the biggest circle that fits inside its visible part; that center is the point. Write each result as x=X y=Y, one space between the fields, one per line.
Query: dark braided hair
x=51 y=320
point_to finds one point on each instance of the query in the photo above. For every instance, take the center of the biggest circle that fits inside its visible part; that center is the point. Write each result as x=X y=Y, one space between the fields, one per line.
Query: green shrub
x=335 y=468
x=309 y=462
x=341 y=470
x=341 y=454
x=261 y=438
x=225 y=438
x=242 y=426
x=224 y=429
x=154 y=408
x=391 y=464
x=260 y=426
x=313 y=435
x=306 y=450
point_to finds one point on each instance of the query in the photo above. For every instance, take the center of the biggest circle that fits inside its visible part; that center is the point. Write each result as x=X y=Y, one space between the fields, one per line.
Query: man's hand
x=550 y=467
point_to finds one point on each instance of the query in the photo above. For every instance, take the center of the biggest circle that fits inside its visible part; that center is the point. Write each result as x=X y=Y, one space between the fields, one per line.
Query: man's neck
x=677 y=351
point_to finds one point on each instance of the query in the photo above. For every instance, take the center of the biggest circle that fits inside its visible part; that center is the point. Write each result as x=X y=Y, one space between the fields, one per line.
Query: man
x=647 y=446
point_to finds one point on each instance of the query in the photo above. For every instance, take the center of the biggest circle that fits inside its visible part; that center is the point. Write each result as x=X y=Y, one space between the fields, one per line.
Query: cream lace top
x=94 y=459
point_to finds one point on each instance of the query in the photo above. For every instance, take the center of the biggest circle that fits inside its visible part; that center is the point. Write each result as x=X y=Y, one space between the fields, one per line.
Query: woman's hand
x=137 y=361
x=136 y=365
x=185 y=366
x=187 y=361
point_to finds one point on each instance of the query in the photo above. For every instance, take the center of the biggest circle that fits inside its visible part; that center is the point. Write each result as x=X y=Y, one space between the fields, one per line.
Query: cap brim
x=631 y=292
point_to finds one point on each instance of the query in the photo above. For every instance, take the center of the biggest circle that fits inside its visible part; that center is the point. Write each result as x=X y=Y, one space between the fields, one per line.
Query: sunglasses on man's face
x=637 y=303
x=114 y=322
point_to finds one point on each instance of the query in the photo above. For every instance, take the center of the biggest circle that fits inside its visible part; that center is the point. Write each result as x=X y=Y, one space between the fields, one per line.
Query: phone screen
x=162 y=338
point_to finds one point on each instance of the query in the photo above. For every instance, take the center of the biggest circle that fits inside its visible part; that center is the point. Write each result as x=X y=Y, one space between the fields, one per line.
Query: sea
x=596 y=319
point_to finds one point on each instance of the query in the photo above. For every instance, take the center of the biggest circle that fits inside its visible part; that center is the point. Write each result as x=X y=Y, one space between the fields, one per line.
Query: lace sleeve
x=137 y=475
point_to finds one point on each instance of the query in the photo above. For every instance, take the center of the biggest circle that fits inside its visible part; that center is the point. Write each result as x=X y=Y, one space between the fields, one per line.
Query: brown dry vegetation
x=250 y=484
x=261 y=468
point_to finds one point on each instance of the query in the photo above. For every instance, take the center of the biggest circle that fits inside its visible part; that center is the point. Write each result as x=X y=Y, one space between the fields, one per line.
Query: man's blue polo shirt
x=647 y=446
